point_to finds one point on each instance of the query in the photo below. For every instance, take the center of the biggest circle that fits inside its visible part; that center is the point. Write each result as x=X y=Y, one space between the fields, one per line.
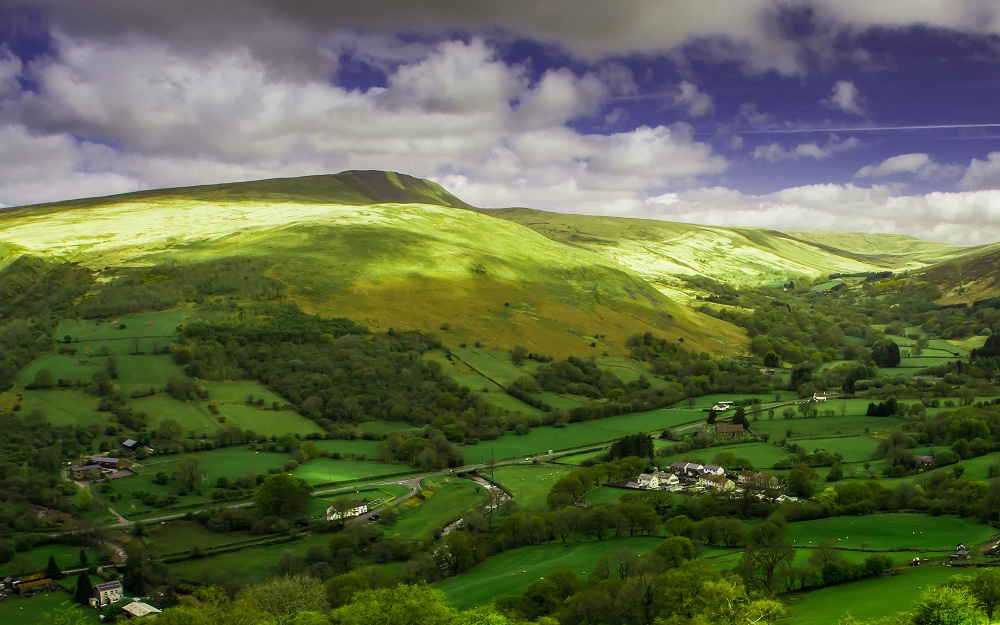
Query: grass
x=383 y=427
x=888 y=531
x=245 y=565
x=510 y=403
x=42 y=608
x=229 y=462
x=368 y=449
x=180 y=536
x=163 y=323
x=607 y=494
x=147 y=371
x=324 y=470
x=530 y=484
x=510 y=572
x=63 y=407
x=541 y=440
x=62 y=367
x=578 y=459
x=385 y=493
x=492 y=365
x=237 y=392
x=872 y=598
x=825 y=426
x=450 y=499
x=857 y=448
x=67 y=557
x=761 y=455
x=268 y=422
x=192 y=416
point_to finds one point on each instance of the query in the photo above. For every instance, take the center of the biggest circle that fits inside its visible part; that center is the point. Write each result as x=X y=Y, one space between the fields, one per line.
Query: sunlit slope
x=387 y=265
x=885 y=245
x=659 y=250
x=966 y=278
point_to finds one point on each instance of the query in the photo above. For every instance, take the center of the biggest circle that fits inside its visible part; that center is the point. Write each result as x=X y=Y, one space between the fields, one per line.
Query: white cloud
x=696 y=102
x=774 y=153
x=918 y=164
x=845 y=97
x=982 y=174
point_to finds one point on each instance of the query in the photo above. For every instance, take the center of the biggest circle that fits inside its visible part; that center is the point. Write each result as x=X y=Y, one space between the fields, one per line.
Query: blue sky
x=788 y=114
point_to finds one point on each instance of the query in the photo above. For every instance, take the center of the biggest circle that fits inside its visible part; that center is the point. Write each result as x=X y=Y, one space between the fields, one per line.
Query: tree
x=985 y=587
x=802 y=481
x=946 y=606
x=285 y=596
x=283 y=495
x=401 y=605
x=767 y=550
x=188 y=472
x=52 y=570
x=84 y=589
x=83 y=557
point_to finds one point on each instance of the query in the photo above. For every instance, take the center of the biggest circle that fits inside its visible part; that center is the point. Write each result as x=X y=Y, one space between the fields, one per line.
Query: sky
x=867 y=116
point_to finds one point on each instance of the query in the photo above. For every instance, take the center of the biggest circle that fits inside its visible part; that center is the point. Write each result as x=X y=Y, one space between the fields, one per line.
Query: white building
x=359 y=508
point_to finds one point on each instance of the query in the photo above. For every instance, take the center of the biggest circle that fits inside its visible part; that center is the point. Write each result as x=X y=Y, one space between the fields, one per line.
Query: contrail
x=792 y=131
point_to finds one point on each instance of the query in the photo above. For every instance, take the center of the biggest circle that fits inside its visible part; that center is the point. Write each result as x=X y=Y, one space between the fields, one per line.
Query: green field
x=451 y=498
x=40 y=609
x=761 y=455
x=866 y=599
x=64 y=407
x=915 y=532
x=237 y=392
x=229 y=462
x=246 y=565
x=376 y=496
x=148 y=371
x=853 y=448
x=492 y=365
x=356 y=447
x=67 y=557
x=162 y=323
x=512 y=571
x=62 y=367
x=326 y=470
x=510 y=403
x=541 y=440
x=181 y=536
x=825 y=426
x=268 y=422
x=192 y=416
x=578 y=459
x=530 y=484
x=606 y=494
x=462 y=373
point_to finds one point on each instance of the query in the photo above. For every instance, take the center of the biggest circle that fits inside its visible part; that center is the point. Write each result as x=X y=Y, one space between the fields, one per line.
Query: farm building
x=107 y=593
x=722 y=406
x=666 y=479
x=712 y=469
x=762 y=480
x=686 y=469
x=130 y=444
x=30 y=584
x=729 y=430
x=648 y=480
x=924 y=460
x=85 y=471
x=357 y=509
x=139 y=609
x=716 y=482
x=109 y=463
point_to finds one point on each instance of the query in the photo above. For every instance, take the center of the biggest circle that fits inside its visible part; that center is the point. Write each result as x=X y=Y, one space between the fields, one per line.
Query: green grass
x=62 y=367
x=492 y=365
x=237 y=392
x=192 y=416
x=530 y=484
x=386 y=493
x=323 y=470
x=268 y=422
x=162 y=323
x=579 y=434
x=180 y=536
x=368 y=449
x=889 y=531
x=229 y=462
x=606 y=494
x=462 y=373
x=578 y=459
x=67 y=557
x=510 y=403
x=452 y=498
x=867 y=599
x=510 y=572
x=825 y=426
x=761 y=455
x=248 y=565
x=40 y=608
x=147 y=371
x=64 y=407
x=857 y=448
x=383 y=427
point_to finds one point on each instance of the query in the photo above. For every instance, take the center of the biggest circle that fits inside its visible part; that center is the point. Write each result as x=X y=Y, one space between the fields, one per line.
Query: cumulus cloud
x=845 y=97
x=982 y=174
x=775 y=153
x=963 y=218
x=696 y=102
x=918 y=164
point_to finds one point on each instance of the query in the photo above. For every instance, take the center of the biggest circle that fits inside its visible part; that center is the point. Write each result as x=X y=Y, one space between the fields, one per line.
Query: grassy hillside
x=396 y=264
x=969 y=276
x=659 y=250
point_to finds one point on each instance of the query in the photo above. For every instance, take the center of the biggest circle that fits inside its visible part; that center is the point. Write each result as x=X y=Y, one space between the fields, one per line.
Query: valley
x=257 y=357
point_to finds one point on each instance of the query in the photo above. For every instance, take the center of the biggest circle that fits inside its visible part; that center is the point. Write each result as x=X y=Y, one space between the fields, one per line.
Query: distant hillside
x=659 y=251
x=413 y=259
x=967 y=277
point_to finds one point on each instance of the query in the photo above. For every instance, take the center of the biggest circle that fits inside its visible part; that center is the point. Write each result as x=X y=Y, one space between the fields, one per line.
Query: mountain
x=393 y=251
x=384 y=249
x=967 y=277
x=661 y=251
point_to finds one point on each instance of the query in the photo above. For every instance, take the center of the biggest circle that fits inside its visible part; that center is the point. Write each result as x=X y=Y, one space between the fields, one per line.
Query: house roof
x=130 y=442
x=729 y=427
x=103 y=459
x=711 y=467
x=108 y=586
x=85 y=467
x=138 y=608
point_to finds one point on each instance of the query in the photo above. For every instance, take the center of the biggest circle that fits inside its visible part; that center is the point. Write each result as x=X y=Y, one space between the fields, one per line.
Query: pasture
x=510 y=403
x=375 y=496
x=327 y=470
x=240 y=391
x=761 y=455
x=63 y=407
x=345 y=447
x=824 y=426
x=510 y=572
x=47 y=607
x=163 y=323
x=871 y=598
x=530 y=484
x=857 y=448
x=383 y=427
x=244 y=565
x=268 y=422
x=147 y=371
x=580 y=434
x=492 y=365
x=914 y=532
x=67 y=557
x=449 y=500
x=62 y=367
x=192 y=416
x=229 y=462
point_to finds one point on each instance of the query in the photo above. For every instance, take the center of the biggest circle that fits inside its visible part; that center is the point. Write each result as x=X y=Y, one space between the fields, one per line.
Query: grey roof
x=108 y=586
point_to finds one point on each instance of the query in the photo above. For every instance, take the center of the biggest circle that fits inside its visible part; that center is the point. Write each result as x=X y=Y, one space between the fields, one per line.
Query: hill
x=967 y=277
x=659 y=251
x=384 y=249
